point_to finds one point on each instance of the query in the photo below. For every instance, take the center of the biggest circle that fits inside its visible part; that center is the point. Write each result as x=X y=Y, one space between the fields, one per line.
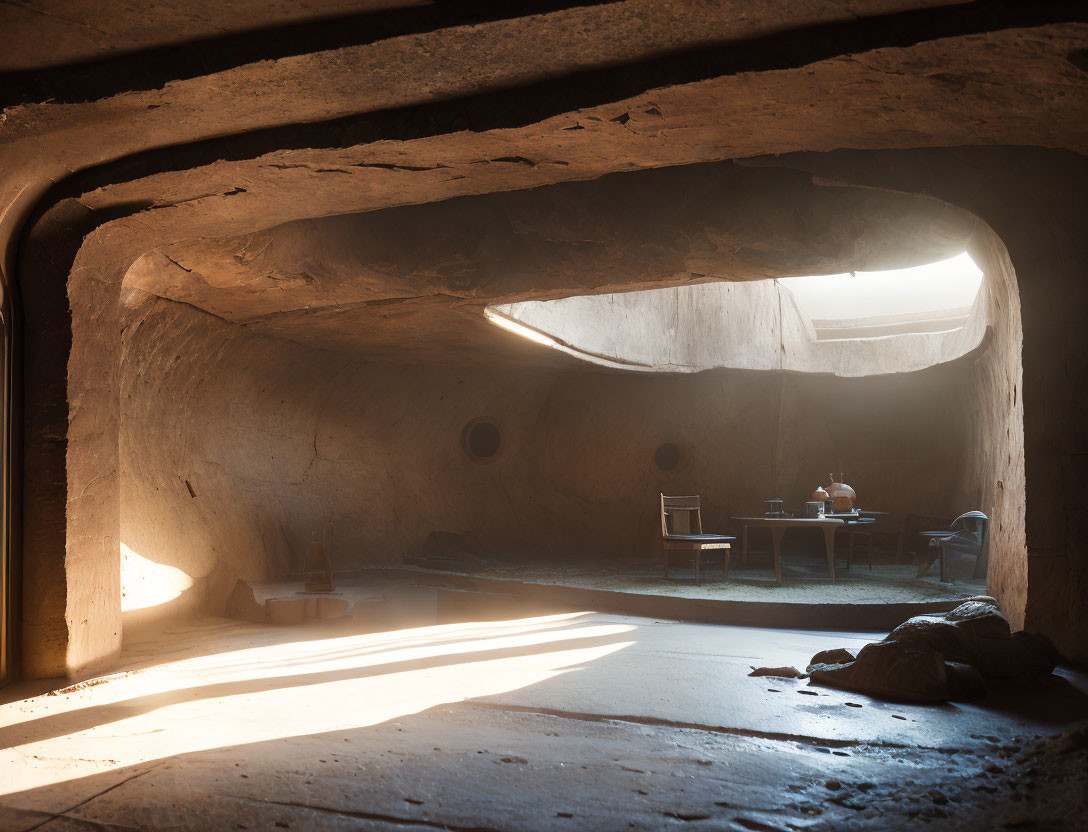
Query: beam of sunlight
x=520 y=329
x=145 y=583
x=539 y=337
x=275 y=691
x=307 y=651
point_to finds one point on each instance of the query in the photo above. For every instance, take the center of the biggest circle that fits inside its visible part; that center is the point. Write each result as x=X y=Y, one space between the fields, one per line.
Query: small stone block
x=331 y=607
x=286 y=611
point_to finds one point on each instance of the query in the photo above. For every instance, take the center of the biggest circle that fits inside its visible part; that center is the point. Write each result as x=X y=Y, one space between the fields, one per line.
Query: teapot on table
x=842 y=495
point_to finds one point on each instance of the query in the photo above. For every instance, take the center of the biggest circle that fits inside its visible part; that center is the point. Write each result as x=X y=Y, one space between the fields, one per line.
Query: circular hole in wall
x=481 y=439
x=667 y=456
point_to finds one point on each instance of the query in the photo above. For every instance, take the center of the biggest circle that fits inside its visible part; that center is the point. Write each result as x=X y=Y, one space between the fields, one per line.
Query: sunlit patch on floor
x=270 y=692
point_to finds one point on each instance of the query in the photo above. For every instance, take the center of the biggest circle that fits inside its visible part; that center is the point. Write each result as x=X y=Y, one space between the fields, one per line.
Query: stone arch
x=76 y=632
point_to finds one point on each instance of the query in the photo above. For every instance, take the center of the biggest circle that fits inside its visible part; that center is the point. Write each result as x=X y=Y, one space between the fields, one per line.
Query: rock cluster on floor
x=934 y=658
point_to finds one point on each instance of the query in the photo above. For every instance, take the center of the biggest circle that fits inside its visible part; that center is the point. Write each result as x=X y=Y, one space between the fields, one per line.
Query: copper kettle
x=842 y=495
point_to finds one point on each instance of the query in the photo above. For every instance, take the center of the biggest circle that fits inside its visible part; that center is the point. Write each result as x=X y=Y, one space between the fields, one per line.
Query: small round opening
x=667 y=456
x=481 y=440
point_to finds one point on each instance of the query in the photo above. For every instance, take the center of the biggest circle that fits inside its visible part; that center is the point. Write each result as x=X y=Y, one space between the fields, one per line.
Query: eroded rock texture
x=252 y=247
x=936 y=658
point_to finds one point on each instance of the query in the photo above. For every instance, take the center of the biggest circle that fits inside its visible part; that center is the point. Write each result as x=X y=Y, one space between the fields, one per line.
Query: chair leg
x=925 y=561
x=666 y=564
x=945 y=577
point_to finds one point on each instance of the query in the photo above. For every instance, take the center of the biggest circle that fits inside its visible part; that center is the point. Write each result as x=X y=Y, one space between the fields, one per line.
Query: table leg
x=725 y=563
x=870 y=551
x=850 y=552
x=697 y=553
x=776 y=541
x=744 y=544
x=829 y=542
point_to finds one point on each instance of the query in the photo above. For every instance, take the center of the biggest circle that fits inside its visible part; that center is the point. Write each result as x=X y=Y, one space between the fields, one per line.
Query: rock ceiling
x=208 y=146
x=386 y=282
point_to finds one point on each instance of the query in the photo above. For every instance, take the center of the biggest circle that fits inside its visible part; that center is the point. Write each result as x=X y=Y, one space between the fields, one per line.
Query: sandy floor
x=804 y=581
x=568 y=722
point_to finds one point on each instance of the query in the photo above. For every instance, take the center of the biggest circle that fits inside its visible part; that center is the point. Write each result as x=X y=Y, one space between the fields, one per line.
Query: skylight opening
x=935 y=297
x=856 y=324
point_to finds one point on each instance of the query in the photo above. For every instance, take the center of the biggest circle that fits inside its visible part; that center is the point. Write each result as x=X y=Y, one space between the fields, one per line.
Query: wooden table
x=779 y=526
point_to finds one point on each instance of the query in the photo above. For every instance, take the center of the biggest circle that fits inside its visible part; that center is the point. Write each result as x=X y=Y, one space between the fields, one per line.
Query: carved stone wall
x=236 y=447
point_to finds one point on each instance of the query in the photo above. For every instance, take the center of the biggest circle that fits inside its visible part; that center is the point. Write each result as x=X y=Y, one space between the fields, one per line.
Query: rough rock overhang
x=541 y=98
x=175 y=140
x=414 y=106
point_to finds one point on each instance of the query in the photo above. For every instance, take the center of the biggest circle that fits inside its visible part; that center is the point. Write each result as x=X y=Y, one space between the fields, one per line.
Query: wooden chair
x=682 y=530
x=968 y=536
x=856 y=528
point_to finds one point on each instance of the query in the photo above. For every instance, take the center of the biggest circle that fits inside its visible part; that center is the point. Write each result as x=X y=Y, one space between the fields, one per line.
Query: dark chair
x=911 y=545
x=855 y=527
x=969 y=536
x=682 y=530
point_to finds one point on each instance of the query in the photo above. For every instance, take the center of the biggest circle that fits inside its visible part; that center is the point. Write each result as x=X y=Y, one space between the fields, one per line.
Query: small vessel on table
x=841 y=495
x=817 y=505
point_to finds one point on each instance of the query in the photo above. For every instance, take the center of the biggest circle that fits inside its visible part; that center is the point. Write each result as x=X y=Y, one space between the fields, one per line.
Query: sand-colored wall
x=993 y=405
x=208 y=402
x=277 y=439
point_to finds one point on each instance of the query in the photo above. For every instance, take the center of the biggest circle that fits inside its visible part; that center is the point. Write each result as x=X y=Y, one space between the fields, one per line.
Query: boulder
x=1018 y=657
x=965 y=683
x=1046 y=653
x=892 y=670
x=934 y=633
x=979 y=619
x=837 y=655
x=931 y=658
x=835 y=675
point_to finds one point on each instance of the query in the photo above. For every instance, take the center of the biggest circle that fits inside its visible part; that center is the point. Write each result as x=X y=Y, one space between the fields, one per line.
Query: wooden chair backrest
x=977 y=525
x=683 y=509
